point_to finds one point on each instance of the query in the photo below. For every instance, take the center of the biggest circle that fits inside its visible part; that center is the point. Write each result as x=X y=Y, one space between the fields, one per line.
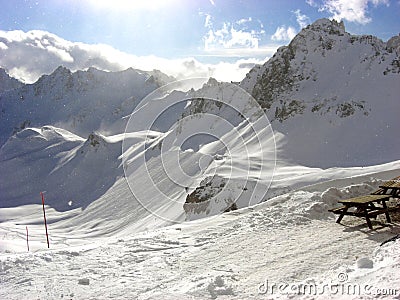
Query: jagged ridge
x=81 y=102
x=333 y=94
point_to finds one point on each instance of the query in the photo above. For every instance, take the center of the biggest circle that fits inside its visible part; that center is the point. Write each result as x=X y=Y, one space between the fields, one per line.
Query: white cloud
x=207 y=22
x=241 y=38
x=350 y=10
x=234 y=71
x=243 y=21
x=29 y=55
x=378 y=2
x=302 y=20
x=284 y=33
x=234 y=39
x=287 y=33
x=61 y=53
x=312 y=3
x=262 y=51
x=3 y=46
x=212 y=2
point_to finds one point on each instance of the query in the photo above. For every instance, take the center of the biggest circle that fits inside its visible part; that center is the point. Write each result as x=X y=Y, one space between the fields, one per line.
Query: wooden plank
x=337 y=210
x=379 y=211
x=395 y=182
x=391 y=185
x=352 y=213
x=380 y=191
x=392 y=191
x=364 y=199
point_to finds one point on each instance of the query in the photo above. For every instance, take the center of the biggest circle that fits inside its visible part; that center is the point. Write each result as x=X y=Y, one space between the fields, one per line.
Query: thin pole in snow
x=45 y=221
x=27 y=238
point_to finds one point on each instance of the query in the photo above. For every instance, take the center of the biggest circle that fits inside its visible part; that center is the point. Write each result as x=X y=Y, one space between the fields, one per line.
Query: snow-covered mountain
x=50 y=134
x=117 y=157
x=73 y=171
x=334 y=95
x=323 y=92
x=204 y=134
x=81 y=102
x=7 y=82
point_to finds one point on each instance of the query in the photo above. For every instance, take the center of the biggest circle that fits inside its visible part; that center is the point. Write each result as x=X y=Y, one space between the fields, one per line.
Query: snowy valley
x=199 y=189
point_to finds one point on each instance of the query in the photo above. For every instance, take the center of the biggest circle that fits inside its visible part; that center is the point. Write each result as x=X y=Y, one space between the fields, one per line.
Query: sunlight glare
x=132 y=4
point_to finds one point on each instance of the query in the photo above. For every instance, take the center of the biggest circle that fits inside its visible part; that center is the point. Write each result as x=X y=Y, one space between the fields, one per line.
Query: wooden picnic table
x=391 y=187
x=369 y=206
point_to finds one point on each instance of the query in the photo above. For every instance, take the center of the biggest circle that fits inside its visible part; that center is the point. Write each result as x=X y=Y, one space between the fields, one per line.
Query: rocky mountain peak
x=313 y=49
x=7 y=82
x=60 y=76
x=321 y=36
x=393 y=44
x=329 y=77
x=328 y=26
x=60 y=72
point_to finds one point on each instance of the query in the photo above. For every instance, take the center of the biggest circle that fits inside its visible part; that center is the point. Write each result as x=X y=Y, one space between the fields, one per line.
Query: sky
x=219 y=38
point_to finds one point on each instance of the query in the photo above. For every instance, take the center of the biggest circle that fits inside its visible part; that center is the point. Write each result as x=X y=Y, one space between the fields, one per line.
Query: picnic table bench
x=369 y=206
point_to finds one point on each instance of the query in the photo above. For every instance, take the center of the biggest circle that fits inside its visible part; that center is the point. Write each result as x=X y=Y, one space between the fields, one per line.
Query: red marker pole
x=27 y=238
x=45 y=221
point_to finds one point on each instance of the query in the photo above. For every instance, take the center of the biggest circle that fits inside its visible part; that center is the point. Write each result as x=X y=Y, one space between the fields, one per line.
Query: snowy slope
x=334 y=95
x=290 y=240
x=214 y=133
x=72 y=171
x=75 y=171
x=86 y=101
x=82 y=175
x=232 y=169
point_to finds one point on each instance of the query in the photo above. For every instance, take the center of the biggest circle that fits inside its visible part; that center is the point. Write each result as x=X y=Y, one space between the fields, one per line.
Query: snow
x=342 y=87
x=54 y=160
x=289 y=239
x=81 y=102
x=119 y=220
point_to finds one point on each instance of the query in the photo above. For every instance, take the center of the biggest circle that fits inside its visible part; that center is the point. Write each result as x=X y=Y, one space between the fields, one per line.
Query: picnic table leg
x=342 y=214
x=386 y=211
x=368 y=220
